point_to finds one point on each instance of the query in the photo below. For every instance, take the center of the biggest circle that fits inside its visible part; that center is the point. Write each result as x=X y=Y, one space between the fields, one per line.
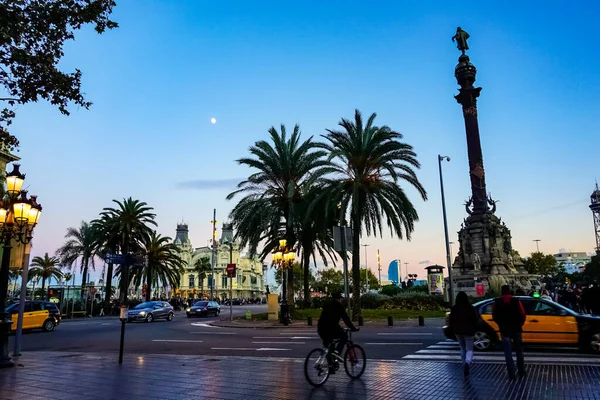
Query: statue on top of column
x=461 y=39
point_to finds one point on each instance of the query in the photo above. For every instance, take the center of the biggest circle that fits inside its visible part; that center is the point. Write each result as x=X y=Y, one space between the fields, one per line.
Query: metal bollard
x=390 y=321
x=361 y=322
x=421 y=320
x=309 y=320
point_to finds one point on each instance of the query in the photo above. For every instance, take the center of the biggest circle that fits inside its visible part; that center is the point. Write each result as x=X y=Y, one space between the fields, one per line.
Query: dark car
x=151 y=310
x=204 y=309
x=546 y=323
x=38 y=315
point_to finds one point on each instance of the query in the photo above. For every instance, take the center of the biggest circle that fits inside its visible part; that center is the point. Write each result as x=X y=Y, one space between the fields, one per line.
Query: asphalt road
x=194 y=336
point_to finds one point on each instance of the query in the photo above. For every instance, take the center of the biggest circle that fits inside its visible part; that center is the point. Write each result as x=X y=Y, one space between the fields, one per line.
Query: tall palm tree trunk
x=107 y=296
x=356 y=312
x=148 y=285
x=44 y=287
x=306 y=262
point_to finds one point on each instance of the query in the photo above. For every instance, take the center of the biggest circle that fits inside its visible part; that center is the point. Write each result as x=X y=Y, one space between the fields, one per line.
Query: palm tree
x=267 y=211
x=128 y=225
x=107 y=241
x=368 y=162
x=80 y=245
x=163 y=264
x=45 y=267
x=67 y=276
x=202 y=267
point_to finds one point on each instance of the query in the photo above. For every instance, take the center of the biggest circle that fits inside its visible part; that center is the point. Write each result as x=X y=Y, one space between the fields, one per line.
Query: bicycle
x=317 y=361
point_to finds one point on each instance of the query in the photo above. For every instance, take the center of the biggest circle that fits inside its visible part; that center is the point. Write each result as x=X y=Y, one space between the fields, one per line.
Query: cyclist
x=329 y=327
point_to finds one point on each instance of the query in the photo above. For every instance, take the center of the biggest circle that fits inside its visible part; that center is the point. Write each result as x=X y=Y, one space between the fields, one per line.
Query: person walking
x=509 y=314
x=463 y=322
x=546 y=295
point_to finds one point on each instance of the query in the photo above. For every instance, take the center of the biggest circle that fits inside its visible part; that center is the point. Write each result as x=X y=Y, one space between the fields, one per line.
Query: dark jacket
x=332 y=312
x=509 y=314
x=463 y=319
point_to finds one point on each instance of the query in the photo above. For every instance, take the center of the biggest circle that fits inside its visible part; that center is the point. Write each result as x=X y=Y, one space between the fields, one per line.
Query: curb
x=227 y=324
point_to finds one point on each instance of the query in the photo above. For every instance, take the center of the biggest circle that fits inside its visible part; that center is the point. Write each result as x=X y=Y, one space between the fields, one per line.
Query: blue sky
x=172 y=65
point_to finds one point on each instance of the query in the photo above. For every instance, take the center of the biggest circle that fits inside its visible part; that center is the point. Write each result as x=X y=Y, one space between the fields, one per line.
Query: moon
x=213 y=120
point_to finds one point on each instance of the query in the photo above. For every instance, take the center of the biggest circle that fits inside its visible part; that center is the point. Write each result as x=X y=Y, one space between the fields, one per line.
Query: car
x=547 y=322
x=38 y=314
x=151 y=310
x=203 y=309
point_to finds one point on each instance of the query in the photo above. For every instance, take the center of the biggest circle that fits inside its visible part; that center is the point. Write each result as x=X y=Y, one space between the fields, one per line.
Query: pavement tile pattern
x=66 y=376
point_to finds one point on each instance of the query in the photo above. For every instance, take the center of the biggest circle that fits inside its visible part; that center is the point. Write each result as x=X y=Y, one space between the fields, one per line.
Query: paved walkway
x=70 y=376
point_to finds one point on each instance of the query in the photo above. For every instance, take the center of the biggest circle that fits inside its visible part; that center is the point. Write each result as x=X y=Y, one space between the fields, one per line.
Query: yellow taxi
x=546 y=323
x=43 y=315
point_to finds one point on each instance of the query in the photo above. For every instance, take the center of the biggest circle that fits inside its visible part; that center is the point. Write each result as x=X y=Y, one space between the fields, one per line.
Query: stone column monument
x=485 y=247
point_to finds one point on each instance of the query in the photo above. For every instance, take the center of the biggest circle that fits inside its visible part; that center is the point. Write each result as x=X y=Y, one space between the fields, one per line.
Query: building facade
x=249 y=282
x=574 y=261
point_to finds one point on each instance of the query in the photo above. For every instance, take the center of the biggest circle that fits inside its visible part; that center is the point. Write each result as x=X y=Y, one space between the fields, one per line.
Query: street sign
x=230 y=270
x=111 y=258
x=337 y=238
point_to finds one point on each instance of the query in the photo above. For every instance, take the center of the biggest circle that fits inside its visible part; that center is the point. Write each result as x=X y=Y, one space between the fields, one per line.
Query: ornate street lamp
x=18 y=217
x=283 y=257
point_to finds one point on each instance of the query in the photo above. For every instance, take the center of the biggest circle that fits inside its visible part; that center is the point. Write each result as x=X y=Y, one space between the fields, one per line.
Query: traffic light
x=50 y=292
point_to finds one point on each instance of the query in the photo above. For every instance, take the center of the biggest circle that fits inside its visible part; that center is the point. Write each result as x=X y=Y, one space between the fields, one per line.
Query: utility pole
x=214 y=256
x=366 y=268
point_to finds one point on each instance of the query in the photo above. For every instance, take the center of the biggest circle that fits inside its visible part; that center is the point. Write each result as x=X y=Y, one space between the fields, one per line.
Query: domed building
x=196 y=280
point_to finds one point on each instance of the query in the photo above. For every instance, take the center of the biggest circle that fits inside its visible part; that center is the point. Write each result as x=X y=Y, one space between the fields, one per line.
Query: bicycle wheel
x=355 y=361
x=316 y=367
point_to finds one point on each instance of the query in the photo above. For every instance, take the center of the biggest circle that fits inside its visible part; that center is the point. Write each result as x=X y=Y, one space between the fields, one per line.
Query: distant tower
x=182 y=234
x=595 y=207
x=227 y=233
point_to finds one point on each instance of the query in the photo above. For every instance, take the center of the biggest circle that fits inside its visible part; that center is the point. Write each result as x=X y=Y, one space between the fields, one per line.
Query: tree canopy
x=32 y=37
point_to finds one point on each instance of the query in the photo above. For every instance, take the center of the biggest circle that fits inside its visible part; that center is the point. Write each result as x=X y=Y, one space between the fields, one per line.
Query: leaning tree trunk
x=306 y=262
x=108 y=287
x=356 y=311
x=84 y=278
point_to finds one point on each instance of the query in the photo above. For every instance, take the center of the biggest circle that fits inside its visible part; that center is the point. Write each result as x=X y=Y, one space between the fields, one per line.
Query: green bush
x=414 y=301
x=373 y=300
x=390 y=290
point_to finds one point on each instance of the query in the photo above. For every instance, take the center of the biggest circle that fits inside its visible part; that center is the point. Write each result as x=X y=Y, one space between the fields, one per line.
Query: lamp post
x=448 y=261
x=18 y=217
x=284 y=258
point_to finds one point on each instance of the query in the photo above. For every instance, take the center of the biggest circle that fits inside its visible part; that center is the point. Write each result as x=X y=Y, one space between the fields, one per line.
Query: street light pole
x=231 y=283
x=18 y=217
x=537 y=244
x=366 y=268
x=448 y=261
x=214 y=257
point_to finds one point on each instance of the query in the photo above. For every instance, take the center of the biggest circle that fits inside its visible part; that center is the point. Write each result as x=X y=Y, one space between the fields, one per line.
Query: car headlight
x=142 y=312
x=189 y=309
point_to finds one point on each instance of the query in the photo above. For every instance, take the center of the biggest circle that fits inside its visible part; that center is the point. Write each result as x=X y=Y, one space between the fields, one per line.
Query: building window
x=224 y=280
x=191 y=281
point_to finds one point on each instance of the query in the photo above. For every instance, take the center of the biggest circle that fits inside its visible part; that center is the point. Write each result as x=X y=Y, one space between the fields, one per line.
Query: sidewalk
x=265 y=324
x=70 y=376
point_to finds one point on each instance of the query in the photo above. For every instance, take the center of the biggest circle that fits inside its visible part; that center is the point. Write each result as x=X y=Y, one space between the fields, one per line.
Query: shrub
x=390 y=290
x=415 y=301
x=373 y=300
